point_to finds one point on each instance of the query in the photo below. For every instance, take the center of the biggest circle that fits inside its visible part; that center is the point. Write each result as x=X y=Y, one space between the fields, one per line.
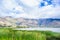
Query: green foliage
x=10 y=34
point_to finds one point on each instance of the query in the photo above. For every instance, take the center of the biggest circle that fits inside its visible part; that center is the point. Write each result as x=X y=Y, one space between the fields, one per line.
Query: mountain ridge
x=20 y=22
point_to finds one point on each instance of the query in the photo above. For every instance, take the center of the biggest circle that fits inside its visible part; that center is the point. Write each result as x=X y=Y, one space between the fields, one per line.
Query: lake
x=41 y=29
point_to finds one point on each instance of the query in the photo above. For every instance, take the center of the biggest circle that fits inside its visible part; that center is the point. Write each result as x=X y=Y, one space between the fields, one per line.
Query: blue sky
x=30 y=8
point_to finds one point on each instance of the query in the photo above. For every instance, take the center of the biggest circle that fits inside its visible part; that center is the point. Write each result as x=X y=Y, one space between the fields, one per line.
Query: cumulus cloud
x=30 y=9
x=30 y=3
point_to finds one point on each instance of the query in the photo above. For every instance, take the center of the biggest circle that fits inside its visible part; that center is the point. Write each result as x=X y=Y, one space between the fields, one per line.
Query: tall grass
x=10 y=34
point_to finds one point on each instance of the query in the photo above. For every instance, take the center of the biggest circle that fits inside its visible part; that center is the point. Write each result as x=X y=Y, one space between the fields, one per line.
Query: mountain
x=49 y=22
x=9 y=21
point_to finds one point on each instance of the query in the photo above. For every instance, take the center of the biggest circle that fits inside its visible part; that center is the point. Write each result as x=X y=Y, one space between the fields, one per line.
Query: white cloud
x=8 y=4
x=29 y=10
x=30 y=3
x=45 y=12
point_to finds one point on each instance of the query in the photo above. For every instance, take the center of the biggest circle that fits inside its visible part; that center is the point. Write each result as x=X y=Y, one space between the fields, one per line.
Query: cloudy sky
x=30 y=8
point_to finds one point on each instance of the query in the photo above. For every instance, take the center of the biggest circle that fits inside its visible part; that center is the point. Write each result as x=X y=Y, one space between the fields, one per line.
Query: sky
x=30 y=8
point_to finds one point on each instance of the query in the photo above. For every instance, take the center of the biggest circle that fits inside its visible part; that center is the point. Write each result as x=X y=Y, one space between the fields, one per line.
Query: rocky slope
x=25 y=22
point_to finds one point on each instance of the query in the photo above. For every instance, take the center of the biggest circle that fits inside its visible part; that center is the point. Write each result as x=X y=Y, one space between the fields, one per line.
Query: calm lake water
x=41 y=29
